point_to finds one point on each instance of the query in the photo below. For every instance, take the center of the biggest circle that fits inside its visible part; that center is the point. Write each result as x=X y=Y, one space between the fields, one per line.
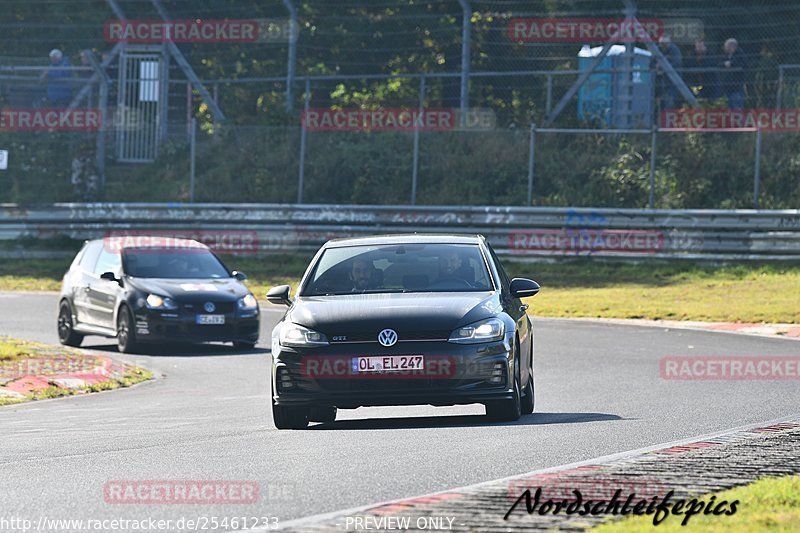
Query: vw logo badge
x=387 y=337
x=209 y=307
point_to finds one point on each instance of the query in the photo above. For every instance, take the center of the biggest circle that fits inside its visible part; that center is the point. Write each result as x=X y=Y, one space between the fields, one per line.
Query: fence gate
x=141 y=115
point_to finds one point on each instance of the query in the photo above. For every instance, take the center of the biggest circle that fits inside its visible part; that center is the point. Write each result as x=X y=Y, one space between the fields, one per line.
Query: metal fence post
x=757 y=173
x=652 y=200
x=292 y=59
x=303 y=141
x=531 y=163
x=549 y=101
x=101 y=139
x=466 y=41
x=192 y=155
x=415 y=163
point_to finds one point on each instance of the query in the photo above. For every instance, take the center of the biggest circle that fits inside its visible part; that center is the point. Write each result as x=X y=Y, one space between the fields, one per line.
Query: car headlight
x=155 y=301
x=248 y=302
x=488 y=330
x=301 y=337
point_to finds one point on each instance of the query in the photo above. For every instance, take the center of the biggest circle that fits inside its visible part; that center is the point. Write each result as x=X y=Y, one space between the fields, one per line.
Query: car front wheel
x=286 y=417
x=126 y=334
x=528 y=401
x=325 y=414
x=66 y=331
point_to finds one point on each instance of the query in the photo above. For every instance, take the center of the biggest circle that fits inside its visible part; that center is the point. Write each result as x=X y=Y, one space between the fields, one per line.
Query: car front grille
x=220 y=308
x=211 y=331
x=402 y=336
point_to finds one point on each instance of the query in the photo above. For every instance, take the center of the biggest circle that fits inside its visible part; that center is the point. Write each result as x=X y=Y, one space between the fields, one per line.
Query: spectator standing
x=59 y=89
x=705 y=78
x=666 y=89
x=733 y=77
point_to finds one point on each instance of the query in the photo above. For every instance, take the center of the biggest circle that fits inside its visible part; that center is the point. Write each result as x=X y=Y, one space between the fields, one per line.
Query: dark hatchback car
x=155 y=290
x=402 y=320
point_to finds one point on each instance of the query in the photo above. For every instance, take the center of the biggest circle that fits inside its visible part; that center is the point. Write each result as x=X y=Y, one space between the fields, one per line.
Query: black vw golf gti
x=152 y=290
x=402 y=320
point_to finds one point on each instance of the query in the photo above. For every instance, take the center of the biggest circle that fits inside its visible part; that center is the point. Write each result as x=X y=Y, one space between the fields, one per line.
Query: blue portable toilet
x=605 y=96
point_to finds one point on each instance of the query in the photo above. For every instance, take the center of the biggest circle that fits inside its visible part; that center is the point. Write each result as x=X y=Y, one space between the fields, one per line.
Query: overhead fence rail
x=522 y=233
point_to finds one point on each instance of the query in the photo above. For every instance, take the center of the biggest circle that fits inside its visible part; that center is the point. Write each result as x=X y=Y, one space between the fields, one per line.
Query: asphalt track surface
x=207 y=417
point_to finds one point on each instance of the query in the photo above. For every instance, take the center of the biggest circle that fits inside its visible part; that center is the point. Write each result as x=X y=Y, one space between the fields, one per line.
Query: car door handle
x=523 y=307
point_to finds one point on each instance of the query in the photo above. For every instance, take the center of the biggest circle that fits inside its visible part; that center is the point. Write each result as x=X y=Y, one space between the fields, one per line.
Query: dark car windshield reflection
x=173 y=264
x=399 y=269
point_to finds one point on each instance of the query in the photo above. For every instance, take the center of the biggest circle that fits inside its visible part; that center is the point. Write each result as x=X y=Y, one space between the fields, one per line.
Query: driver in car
x=364 y=275
x=451 y=267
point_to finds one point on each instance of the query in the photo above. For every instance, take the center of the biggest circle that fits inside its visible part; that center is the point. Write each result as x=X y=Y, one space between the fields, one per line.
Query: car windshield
x=172 y=264
x=399 y=268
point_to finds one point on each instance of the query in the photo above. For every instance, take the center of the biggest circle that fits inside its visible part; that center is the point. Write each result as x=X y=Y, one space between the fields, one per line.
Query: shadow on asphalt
x=536 y=419
x=182 y=350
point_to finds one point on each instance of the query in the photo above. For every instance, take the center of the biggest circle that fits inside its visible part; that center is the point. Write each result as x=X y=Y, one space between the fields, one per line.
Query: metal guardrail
x=514 y=231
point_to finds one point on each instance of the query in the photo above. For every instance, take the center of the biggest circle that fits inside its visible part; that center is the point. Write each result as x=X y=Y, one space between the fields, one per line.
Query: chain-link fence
x=249 y=73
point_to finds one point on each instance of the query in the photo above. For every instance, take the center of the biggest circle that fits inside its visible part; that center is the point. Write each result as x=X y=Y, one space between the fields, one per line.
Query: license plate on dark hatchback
x=388 y=363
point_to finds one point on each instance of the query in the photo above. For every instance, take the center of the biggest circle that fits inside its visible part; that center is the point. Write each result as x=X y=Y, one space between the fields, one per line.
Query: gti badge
x=387 y=337
x=209 y=307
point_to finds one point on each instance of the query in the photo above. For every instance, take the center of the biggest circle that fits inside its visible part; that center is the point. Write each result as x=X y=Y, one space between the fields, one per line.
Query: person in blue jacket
x=59 y=89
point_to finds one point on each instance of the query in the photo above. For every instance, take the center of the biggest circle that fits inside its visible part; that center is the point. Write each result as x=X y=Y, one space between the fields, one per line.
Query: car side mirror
x=523 y=288
x=109 y=276
x=241 y=276
x=279 y=295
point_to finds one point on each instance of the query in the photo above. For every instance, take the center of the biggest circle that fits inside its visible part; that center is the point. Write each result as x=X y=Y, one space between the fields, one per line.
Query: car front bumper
x=454 y=374
x=174 y=326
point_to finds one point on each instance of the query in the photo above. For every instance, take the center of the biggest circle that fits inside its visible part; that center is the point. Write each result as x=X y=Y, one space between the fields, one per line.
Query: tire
x=529 y=394
x=243 y=345
x=126 y=332
x=507 y=410
x=66 y=331
x=289 y=417
x=325 y=414
x=528 y=399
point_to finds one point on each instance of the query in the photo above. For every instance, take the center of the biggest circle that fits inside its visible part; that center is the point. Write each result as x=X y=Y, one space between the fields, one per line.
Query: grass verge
x=770 y=504
x=678 y=290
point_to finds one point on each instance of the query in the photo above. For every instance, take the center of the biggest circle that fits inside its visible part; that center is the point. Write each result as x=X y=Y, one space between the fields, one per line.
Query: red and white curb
x=23 y=377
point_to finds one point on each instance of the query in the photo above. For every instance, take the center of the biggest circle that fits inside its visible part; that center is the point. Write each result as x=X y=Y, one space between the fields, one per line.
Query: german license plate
x=388 y=363
x=210 y=319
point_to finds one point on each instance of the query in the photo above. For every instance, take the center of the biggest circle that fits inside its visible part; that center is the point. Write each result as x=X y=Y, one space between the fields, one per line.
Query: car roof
x=409 y=238
x=126 y=242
